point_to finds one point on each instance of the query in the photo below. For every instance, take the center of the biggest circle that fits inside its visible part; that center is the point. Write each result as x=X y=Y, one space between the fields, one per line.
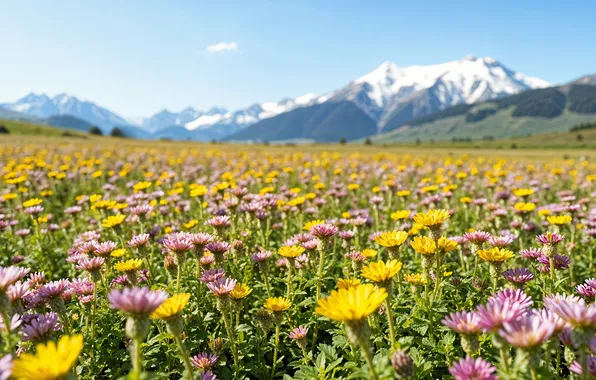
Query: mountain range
x=379 y=102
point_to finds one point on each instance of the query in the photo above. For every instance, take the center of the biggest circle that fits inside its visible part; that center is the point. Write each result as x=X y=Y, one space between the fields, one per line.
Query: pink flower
x=324 y=231
x=470 y=368
x=463 y=322
x=528 y=331
x=515 y=296
x=494 y=314
x=139 y=240
x=10 y=275
x=136 y=301
x=299 y=333
x=203 y=361
x=222 y=286
x=477 y=237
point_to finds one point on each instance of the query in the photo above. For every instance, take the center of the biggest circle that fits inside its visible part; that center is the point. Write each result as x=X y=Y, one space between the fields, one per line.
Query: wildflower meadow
x=173 y=261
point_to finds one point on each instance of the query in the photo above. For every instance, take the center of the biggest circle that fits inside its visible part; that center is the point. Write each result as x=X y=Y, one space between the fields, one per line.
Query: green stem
x=390 y=323
x=184 y=356
x=369 y=360
x=178 y=277
x=136 y=359
x=552 y=274
x=231 y=339
x=277 y=328
x=289 y=279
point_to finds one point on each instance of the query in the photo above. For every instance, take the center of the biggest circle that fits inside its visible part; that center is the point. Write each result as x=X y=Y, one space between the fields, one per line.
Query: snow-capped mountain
x=166 y=118
x=42 y=106
x=468 y=80
x=389 y=95
x=250 y=115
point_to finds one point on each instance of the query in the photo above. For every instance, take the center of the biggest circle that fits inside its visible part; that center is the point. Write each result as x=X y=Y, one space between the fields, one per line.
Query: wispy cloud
x=221 y=47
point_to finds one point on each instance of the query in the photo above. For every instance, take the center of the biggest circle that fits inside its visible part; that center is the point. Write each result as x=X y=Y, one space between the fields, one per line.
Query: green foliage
x=117 y=132
x=582 y=99
x=95 y=131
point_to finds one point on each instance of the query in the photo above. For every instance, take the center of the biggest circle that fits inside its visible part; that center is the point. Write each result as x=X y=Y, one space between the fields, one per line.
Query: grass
x=25 y=128
x=553 y=145
x=501 y=125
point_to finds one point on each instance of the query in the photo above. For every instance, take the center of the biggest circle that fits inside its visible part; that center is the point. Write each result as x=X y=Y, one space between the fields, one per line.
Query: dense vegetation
x=175 y=261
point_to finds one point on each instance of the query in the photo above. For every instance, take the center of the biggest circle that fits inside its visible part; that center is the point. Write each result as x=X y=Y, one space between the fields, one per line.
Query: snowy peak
x=42 y=106
x=467 y=80
x=250 y=115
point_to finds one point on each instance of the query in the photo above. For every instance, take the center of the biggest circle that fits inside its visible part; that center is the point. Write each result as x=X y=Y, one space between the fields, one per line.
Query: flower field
x=182 y=262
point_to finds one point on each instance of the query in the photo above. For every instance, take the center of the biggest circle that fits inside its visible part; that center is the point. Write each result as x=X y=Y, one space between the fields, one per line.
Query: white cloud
x=222 y=46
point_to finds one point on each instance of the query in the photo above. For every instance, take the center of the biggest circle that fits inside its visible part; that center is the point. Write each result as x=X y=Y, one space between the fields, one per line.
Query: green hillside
x=542 y=111
x=24 y=128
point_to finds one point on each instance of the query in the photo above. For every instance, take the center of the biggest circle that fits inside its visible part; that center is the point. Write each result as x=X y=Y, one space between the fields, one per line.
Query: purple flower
x=52 y=290
x=572 y=310
x=261 y=256
x=560 y=261
x=530 y=330
x=550 y=239
x=178 y=243
x=500 y=241
x=91 y=265
x=586 y=290
x=218 y=247
x=494 y=314
x=219 y=222
x=139 y=240
x=136 y=301
x=576 y=366
x=212 y=275
x=463 y=322
x=310 y=244
x=299 y=333
x=82 y=286
x=40 y=327
x=105 y=248
x=531 y=253
x=10 y=275
x=15 y=322
x=5 y=367
x=515 y=296
x=324 y=231
x=203 y=361
x=208 y=375
x=201 y=239
x=470 y=368
x=222 y=286
x=17 y=290
x=518 y=276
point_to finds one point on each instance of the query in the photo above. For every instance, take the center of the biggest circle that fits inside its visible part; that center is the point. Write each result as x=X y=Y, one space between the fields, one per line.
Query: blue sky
x=137 y=57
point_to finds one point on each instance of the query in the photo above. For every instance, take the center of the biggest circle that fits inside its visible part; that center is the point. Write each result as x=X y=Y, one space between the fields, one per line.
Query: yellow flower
x=141 y=185
x=32 y=202
x=240 y=291
x=353 y=304
x=400 y=214
x=353 y=186
x=524 y=208
x=290 y=251
x=51 y=361
x=381 y=271
x=559 y=220
x=447 y=245
x=172 y=307
x=544 y=212
x=118 y=252
x=199 y=191
x=9 y=196
x=465 y=200
x=190 y=224
x=523 y=193
x=424 y=245
x=113 y=221
x=346 y=283
x=415 y=229
x=432 y=218
x=403 y=193
x=128 y=265
x=277 y=304
x=312 y=223
x=369 y=252
x=495 y=255
x=391 y=239
x=430 y=189
x=415 y=278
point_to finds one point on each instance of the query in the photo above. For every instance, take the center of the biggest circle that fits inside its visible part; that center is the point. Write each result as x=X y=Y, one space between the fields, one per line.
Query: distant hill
x=554 y=109
x=330 y=121
x=70 y=122
x=26 y=128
